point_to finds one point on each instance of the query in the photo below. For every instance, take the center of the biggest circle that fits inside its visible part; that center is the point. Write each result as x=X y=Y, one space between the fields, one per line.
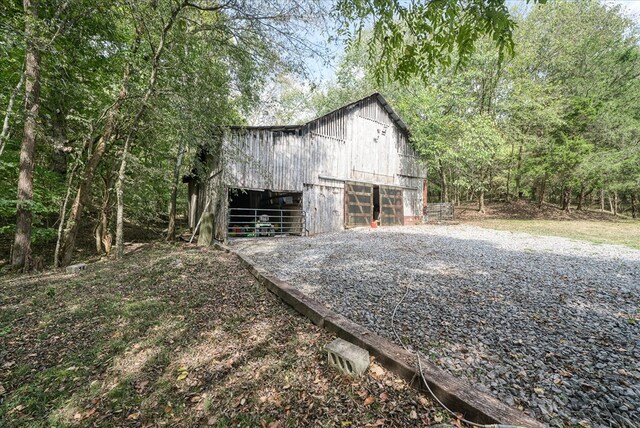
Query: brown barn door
x=391 y=206
x=358 y=204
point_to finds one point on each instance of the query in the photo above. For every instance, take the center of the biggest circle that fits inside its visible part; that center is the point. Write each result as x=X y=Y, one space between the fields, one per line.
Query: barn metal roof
x=394 y=116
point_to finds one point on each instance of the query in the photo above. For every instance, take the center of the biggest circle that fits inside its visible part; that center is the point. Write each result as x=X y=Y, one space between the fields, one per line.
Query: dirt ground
x=177 y=336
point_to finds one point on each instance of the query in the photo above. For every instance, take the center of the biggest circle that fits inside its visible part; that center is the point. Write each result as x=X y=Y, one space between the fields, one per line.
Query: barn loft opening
x=260 y=213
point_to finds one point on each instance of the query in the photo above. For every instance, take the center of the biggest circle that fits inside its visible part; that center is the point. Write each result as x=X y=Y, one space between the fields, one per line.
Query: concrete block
x=347 y=357
x=76 y=268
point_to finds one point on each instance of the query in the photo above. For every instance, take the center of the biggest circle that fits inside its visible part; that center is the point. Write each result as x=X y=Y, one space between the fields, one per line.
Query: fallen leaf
x=77 y=416
x=133 y=416
x=182 y=375
x=425 y=402
x=413 y=414
x=90 y=412
x=370 y=399
x=538 y=391
x=384 y=396
x=376 y=370
x=275 y=424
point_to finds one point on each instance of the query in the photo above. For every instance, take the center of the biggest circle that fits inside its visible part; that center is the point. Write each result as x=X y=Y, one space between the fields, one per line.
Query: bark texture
x=22 y=242
x=171 y=230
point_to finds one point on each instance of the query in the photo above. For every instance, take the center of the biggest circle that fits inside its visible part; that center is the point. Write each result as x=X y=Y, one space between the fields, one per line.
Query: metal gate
x=391 y=206
x=358 y=204
x=257 y=222
x=439 y=211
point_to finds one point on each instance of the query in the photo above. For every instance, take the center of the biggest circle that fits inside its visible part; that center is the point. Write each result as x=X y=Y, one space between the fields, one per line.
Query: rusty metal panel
x=391 y=206
x=358 y=204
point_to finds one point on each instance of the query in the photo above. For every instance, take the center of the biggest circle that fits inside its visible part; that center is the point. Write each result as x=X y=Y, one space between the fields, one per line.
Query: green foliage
x=416 y=38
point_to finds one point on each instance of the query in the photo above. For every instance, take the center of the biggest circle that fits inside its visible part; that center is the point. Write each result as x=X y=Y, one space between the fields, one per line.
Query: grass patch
x=622 y=232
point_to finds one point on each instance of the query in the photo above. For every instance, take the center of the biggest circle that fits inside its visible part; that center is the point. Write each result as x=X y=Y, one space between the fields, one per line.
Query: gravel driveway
x=546 y=324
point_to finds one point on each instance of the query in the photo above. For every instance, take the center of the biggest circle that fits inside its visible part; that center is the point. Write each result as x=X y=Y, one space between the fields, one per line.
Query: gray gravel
x=549 y=325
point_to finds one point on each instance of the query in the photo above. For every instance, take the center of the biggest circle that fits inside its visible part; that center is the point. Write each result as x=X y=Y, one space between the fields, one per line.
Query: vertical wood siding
x=359 y=142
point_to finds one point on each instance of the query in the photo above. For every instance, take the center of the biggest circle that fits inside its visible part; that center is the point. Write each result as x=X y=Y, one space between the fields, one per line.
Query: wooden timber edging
x=459 y=396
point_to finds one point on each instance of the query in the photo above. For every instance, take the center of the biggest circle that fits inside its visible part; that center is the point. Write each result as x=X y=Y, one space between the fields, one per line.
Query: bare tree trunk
x=22 y=242
x=615 y=203
x=153 y=77
x=171 y=231
x=566 y=198
x=611 y=207
x=543 y=188
x=509 y=173
x=634 y=210
x=102 y=228
x=602 y=199
x=4 y=136
x=443 y=179
x=120 y=200
x=481 y=201
x=63 y=213
x=582 y=197
x=517 y=174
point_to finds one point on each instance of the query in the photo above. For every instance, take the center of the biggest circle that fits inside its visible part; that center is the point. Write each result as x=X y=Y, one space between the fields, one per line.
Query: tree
x=417 y=38
x=22 y=241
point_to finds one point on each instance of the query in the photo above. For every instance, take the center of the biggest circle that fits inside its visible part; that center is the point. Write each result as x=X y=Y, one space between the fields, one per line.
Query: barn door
x=358 y=204
x=391 y=206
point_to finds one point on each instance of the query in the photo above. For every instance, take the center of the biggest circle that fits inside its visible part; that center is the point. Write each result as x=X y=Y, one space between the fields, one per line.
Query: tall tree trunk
x=566 y=198
x=22 y=242
x=102 y=234
x=481 y=201
x=582 y=197
x=615 y=203
x=4 y=135
x=543 y=188
x=171 y=230
x=602 y=199
x=611 y=206
x=634 y=209
x=120 y=200
x=509 y=173
x=151 y=85
x=63 y=213
x=517 y=174
x=443 y=180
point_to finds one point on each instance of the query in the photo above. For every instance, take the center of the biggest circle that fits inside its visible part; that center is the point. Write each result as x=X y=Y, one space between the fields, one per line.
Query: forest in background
x=108 y=102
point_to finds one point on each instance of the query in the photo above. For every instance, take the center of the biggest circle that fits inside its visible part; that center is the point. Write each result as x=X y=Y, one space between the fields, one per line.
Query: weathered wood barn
x=347 y=168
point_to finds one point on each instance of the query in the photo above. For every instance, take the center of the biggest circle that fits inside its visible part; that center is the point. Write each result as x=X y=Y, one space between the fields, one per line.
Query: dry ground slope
x=177 y=336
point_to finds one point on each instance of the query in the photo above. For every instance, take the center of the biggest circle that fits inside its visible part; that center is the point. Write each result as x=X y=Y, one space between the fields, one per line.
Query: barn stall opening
x=348 y=168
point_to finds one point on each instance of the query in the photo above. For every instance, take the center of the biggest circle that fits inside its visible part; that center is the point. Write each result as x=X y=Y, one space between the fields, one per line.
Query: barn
x=347 y=168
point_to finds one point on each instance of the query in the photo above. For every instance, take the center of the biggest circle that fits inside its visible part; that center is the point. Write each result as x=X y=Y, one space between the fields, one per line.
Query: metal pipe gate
x=258 y=222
